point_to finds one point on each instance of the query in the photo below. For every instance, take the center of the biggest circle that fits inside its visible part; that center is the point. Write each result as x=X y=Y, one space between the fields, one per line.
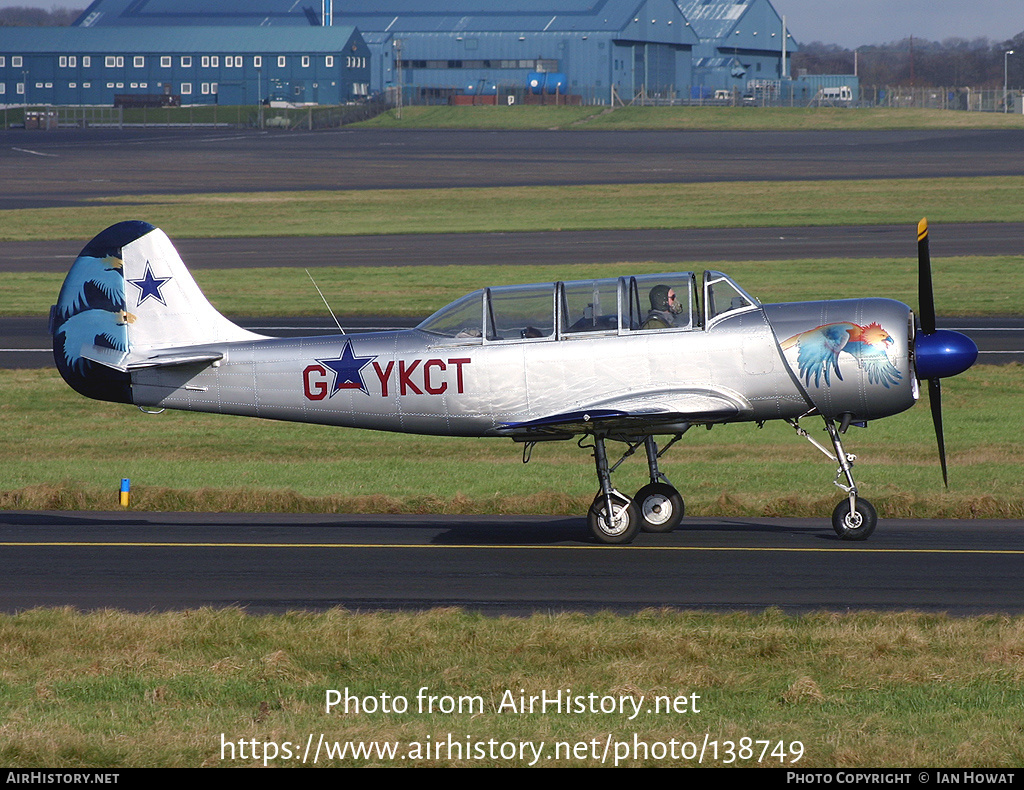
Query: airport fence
x=198 y=116
x=966 y=99
x=311 y=117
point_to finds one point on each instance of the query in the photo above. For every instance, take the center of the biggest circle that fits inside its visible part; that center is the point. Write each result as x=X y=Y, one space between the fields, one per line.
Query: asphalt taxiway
x=520 y=564
x=511 y=565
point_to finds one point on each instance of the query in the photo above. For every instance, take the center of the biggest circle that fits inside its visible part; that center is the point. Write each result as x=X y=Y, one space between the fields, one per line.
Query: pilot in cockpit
x=664 y=308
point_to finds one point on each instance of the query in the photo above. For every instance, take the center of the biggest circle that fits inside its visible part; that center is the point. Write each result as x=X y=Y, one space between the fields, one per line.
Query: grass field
x=355 y=291
x=196 y=688
x=63 y=451
x=689 y=118
x=507 y=209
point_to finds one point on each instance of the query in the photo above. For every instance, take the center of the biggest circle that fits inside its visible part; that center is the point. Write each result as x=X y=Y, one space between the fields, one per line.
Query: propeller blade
x=935 y=400
x=925 y=296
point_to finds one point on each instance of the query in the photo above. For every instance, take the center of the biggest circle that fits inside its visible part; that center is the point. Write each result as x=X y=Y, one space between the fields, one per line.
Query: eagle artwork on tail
x=818 y=352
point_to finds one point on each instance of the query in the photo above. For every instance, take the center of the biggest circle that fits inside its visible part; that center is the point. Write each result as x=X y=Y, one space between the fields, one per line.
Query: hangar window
x=62 y=61
x=305 y=61
x=205 y=61
x=3 y=61
x=110 y=62
x=3 y=87
x=86 y=61
x=257 y=62
x=186 y=61
x=15 y=61
x=165 y=61
x=72 y=61
x=139 y=62
x=281 y=61
x=186 y=88
x=329 y=61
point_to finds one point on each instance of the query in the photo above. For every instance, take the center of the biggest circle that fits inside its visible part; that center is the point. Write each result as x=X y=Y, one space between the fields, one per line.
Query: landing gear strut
x=854 y=518
x=657 y=506
x=613 y=516
x=661 y=507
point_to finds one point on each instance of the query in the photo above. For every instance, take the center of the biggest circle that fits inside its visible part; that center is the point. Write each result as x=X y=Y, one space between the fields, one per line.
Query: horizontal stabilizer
x=124 y=362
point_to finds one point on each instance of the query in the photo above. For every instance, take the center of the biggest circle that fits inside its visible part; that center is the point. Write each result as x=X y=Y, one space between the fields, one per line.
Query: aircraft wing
x=635 y=414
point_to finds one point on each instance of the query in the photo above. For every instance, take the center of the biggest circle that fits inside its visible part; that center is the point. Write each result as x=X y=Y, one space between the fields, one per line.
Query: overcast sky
x=850 y=23
x=856 y=22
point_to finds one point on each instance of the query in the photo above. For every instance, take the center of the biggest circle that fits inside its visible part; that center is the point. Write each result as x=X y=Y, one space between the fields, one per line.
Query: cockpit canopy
x=614 y=305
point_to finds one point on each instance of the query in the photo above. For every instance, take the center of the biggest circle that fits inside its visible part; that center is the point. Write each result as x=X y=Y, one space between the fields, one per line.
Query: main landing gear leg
x=854 y=518
x=613 y=516
x=660 y=506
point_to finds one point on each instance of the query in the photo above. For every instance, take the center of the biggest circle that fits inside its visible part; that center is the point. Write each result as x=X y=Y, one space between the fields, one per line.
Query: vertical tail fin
x=127 y=295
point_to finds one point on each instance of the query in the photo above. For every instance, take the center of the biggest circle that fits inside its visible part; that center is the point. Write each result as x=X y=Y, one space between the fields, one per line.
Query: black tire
x=660 y=506
x=855 y=525
x=628 y=520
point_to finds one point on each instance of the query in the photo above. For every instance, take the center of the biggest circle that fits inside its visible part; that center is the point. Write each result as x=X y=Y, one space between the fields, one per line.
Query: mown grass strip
x=62 y=451
x=971 y=285
x=509 y=209
x=689 y=118
x=171 y=689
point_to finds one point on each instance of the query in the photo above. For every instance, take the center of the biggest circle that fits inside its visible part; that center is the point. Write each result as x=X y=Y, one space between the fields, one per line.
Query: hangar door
x=650 y=68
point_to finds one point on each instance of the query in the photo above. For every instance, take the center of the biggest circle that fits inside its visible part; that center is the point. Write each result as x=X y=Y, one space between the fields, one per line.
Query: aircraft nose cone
x=943 y=353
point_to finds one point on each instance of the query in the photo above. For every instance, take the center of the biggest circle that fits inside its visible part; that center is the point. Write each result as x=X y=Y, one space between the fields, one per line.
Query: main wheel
x=857 y=524
x=621 y=527
x=661 y=507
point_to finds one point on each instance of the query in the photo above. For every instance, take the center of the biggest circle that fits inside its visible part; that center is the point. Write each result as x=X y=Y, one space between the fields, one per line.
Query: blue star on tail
x=149 y=286
x=347 y=369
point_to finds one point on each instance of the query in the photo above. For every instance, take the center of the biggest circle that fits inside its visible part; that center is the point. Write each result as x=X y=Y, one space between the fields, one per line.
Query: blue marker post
x=126 y=488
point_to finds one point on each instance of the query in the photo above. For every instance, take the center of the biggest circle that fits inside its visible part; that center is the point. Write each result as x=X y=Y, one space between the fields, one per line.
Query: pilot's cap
x=659 y=297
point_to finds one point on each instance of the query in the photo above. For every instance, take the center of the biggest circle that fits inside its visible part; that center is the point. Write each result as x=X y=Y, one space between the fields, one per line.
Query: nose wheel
x=854 y=518
x=856 y=523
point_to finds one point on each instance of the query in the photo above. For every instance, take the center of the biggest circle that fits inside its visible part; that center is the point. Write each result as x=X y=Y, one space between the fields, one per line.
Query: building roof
x=175 y=39
x=379 y=15
x=743 y=24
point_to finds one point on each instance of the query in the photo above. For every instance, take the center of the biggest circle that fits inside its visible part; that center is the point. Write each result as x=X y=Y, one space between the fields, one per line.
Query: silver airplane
x=625 y=359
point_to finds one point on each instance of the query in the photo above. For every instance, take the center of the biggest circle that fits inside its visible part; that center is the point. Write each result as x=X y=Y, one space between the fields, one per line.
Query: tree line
x=955 y=62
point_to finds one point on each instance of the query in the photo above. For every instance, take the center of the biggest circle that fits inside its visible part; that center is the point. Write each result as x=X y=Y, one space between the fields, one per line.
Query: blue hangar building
x=599 y=49
x=182 y=65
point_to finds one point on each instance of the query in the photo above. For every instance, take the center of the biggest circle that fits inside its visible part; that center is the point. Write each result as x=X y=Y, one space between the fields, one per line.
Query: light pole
x=1006 y=102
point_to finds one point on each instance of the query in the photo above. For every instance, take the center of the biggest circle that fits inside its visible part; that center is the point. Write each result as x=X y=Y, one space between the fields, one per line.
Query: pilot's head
x=663 y=298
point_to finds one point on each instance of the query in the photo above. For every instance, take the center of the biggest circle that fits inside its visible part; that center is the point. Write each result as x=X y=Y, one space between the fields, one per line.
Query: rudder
x=127 y=296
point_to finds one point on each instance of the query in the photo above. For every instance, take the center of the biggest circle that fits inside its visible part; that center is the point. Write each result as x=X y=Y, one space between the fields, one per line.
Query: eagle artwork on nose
x=818 y=352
